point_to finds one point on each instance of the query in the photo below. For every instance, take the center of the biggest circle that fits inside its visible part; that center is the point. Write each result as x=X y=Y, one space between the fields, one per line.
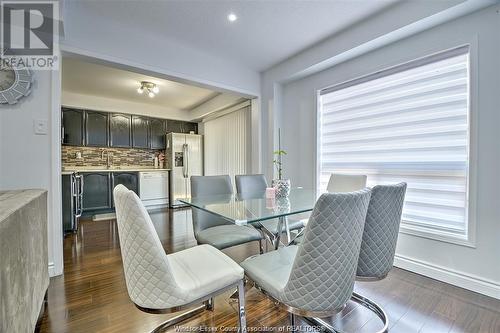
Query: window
x=227 y=141
x=408 y=123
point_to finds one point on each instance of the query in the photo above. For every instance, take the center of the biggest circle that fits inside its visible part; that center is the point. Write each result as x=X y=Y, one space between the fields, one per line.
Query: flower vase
x=282 y=187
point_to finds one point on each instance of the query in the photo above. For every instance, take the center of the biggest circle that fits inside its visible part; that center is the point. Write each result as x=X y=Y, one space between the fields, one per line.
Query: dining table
x=251 y=208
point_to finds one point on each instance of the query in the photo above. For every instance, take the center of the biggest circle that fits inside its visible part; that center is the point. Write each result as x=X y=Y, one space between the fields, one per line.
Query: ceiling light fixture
x=232 y=17
x=149 y=87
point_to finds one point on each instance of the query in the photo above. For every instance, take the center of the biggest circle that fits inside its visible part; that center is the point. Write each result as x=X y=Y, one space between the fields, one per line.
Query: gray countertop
x=13 y=200
x=70 y=170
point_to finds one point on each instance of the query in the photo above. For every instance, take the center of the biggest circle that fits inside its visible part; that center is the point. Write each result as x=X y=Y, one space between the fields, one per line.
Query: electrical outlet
x=40 y=126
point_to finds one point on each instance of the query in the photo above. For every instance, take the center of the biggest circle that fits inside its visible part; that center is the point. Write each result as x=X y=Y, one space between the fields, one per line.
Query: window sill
x=439 y=235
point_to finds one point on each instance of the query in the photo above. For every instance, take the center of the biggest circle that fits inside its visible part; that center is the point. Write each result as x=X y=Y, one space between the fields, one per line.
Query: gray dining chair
x=212 y=229
x=381 y=231
x=161 y=283
x=316 y=278
x=380 y=235
x=257 y=183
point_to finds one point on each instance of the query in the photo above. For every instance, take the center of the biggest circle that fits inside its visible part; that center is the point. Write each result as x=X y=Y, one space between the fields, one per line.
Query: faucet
x=109 y=158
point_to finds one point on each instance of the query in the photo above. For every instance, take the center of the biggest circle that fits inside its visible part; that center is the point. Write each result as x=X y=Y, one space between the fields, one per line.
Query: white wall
x=100 y=103
x=475 y=268
x=27 y=160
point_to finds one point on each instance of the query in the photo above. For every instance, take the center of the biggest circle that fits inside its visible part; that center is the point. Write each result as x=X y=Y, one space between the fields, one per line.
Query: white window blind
x=409 y=123
x=227 y=141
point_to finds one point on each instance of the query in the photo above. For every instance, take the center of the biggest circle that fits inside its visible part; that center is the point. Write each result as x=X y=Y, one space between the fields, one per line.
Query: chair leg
x=361 y=300
x=291 y=317
x=261 y=246
x=210 y=305
x=241 y=307
x=177 y=319
x=287 y=229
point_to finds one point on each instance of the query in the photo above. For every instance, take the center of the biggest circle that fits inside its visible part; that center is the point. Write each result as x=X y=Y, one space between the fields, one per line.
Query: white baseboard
x=456 y=278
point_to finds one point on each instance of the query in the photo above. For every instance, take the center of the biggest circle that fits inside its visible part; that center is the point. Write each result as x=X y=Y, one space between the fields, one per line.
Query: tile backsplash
x=91 y=156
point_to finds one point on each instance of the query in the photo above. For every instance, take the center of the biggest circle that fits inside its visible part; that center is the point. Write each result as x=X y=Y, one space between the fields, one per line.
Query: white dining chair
x=339 y=182
x=161 y=283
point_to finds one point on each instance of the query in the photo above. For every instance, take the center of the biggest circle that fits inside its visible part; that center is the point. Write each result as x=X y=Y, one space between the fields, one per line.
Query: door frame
x=55 y=228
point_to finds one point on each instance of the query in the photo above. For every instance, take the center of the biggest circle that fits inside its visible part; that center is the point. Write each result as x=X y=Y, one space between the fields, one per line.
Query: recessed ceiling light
x=232 y=17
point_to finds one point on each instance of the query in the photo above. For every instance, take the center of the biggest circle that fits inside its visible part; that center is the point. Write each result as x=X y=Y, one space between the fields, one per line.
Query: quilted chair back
x=150 y=283
x=346 y=183
x=205 y=186
x=324 y=270
x=381 y=231
x=250 y=183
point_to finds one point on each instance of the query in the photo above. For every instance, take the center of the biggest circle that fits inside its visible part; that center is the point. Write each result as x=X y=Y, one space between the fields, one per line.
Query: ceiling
x=93 y=79
x=265 y=33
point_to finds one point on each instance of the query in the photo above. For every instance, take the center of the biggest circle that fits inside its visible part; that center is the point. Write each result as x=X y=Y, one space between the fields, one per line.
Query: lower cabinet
x=96 y=194
x=127 y=179
x=98 y=189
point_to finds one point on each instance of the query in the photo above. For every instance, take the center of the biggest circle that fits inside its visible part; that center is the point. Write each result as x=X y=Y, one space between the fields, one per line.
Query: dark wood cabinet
x=96 y=194
x=128 y=179
x=72 y=127
x=174 y=126
x=179 y=126
x=189 y=126
x=157 y=131
x=140 y=132
x=120 y=130
x=101 y=129
x=96 y=128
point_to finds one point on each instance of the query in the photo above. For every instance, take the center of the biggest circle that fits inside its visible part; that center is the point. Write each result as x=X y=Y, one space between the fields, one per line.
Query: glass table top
x=247 y=208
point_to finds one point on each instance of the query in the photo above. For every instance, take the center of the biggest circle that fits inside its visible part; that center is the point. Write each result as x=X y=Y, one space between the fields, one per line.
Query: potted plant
x=281 y=186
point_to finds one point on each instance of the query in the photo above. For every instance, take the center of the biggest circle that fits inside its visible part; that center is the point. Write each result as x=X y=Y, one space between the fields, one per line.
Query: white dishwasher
x=153 y=187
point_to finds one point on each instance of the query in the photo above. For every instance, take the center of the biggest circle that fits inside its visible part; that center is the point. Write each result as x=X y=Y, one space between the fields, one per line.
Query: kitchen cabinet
x=96 y=128
x=140 y=132
x=178 y=126
x=128 y=179
x=189 y=126
x=72 y=127
x=120 y=126
x=96 y=194
x=157 y=131
x=102 y=129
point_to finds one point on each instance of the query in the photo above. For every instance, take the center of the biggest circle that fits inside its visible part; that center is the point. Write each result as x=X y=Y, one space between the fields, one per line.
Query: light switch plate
x=40 y=126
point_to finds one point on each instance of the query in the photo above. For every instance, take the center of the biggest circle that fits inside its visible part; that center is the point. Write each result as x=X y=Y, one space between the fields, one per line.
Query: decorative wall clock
x=15 y=83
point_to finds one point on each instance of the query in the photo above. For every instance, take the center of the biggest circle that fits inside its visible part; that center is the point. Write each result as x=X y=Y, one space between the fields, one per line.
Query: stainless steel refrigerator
x=184 y=155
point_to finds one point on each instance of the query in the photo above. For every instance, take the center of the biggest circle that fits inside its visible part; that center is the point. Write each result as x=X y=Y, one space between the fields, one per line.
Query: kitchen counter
x=70 y=170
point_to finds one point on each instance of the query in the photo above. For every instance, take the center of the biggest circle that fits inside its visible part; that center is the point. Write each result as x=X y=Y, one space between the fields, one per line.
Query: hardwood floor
x=91 y=296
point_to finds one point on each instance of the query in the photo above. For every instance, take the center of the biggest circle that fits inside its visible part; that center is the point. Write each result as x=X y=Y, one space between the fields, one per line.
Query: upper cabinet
x=102 y=129
x=178 y=126
x=120 y=130
x=96 y=129
x=72 y=127
x=157 y=133
x=189 y=127
x=140 y=132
